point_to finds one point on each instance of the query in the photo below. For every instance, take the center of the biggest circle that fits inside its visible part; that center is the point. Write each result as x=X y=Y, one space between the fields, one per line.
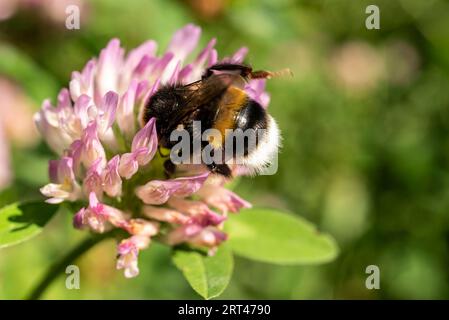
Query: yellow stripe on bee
x=229 y=106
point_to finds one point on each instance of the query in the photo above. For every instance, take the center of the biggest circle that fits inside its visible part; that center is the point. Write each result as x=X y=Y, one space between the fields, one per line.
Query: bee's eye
x=251 y=116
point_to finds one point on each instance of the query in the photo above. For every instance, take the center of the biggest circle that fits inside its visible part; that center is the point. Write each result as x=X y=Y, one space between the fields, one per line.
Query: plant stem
x=60 y=265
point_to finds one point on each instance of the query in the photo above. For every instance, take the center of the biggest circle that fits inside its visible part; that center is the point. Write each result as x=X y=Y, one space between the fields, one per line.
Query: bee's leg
x=222 y=169
x=243 y=70
x=263 y=74
x=246 y=71
x=169 y=168
x=260 y=74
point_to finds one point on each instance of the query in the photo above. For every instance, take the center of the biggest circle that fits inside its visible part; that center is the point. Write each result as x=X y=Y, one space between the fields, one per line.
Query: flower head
x=109 y=161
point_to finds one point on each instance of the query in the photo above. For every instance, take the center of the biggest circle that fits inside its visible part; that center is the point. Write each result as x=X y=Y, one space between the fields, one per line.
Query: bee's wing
x=200 y=95
x=203 y=91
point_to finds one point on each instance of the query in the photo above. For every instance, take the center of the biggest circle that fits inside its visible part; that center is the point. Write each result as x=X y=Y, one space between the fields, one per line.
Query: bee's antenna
x=262 y=74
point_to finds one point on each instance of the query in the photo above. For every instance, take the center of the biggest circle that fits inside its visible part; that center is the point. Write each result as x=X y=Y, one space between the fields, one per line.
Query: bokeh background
x=365 y=121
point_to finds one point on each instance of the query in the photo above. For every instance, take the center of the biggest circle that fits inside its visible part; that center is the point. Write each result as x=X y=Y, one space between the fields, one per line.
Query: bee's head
x=161 y=103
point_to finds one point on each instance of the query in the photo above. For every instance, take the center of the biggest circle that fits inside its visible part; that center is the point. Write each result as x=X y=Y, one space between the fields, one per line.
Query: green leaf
x=275 y=237
x=208 y=275
x=20 y=222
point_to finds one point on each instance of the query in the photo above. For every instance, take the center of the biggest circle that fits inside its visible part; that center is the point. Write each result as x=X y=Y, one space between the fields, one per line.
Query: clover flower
x=109 y=161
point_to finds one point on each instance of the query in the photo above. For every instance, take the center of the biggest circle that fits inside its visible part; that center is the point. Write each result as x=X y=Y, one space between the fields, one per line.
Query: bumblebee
x=218 y=101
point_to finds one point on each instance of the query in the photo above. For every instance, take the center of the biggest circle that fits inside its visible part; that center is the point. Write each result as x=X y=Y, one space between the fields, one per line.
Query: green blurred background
x=365 y=156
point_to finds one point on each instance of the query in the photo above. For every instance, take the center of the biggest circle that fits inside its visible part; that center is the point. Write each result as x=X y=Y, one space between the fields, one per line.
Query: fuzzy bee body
x=219 y=102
